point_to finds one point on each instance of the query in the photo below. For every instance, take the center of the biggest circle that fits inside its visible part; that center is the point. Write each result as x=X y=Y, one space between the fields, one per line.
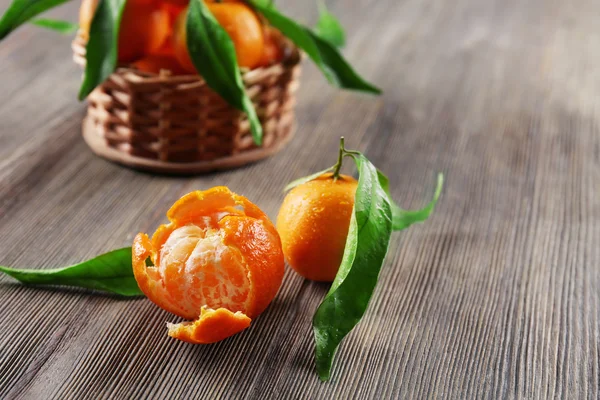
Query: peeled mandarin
x=218 y=262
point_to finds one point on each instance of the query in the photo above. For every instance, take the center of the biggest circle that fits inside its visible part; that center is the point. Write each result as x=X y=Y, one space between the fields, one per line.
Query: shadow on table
x=270 y=348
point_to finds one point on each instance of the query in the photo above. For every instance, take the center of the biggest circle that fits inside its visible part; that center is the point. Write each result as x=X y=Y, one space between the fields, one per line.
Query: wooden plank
x=497 y=295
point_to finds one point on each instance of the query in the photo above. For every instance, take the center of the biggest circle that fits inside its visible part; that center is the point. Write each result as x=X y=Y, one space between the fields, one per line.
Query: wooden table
x=496 y=296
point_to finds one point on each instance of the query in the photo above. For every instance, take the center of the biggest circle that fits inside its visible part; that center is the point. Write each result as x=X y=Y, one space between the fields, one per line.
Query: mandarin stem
x=338 y=166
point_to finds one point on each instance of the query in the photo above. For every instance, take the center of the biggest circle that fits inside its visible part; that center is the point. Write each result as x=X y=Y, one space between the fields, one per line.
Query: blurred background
x=497 y=295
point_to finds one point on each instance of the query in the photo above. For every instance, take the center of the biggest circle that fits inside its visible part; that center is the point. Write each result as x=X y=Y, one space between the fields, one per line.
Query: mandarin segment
x=148 y=278
x=220 y=251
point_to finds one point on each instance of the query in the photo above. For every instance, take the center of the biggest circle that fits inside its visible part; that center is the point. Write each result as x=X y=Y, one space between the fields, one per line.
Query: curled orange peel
x=218 y=262
x=210 y=327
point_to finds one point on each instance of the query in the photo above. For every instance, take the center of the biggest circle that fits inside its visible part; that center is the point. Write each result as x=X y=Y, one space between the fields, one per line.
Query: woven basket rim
x=100 y=148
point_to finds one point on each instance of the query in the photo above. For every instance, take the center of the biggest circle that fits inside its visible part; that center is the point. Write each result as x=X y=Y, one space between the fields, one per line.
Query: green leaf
x=402 y=219
x=309 y=178
x=109 y=272
x=366 y=247
x=329 y=28
x=331 y=63
x=341 y=73
x=266 y=3
x=102 y=47
x=21 y=11
x=62 y=27
x=213 y=54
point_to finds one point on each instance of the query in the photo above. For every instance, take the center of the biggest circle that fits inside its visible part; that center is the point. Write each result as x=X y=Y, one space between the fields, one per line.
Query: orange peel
x=212 y=326
x=218 y=262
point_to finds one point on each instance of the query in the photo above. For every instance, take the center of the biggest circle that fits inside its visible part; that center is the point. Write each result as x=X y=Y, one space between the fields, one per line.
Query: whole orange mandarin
x=144 y=29
x=244 y=29
x=219 y=262
x=241 y=24
x=313 y=223
x=132 y=7
x=179 y=43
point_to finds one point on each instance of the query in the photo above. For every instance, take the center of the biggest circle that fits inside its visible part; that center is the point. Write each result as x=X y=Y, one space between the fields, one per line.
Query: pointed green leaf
x=213 y=54
x=364 y=253
x=62 y=27
x=21 y=11
x=102 y=47
x=266 y=3
x=309 y=178
x=329 y=28
x=340 y=72
x=402 y=219
x=109 y=272
x=326 y=57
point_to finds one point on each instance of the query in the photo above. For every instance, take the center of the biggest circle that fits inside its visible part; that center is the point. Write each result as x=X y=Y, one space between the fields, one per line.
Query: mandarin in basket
x=313 y=223
x=145 y=27
x=218 y=262
x=158 y=62
x=272 y=52
x=179 y=3
x=241 y=24
x=179 y=43
x=173 y=10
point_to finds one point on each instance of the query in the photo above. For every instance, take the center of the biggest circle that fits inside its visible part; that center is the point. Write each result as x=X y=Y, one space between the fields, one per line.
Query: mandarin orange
x=272 y=52
x=155 y=63
x=173 y=11
x=219 y=262
x=179 y=3
x=144 y=29
x=241 y=24
x=313 y=224
x=243 y=27
x=179 y=43
x=145 y=25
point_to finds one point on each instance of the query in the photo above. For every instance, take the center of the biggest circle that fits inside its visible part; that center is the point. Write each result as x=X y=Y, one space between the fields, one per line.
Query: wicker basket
x=177 y=124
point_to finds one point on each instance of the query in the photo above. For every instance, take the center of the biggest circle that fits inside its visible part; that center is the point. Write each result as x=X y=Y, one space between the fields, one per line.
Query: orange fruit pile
x=152 y=34
x=313 y=224
x=218 y=263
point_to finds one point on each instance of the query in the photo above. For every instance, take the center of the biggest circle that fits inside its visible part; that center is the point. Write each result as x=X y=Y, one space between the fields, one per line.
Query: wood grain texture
x=496 y=296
